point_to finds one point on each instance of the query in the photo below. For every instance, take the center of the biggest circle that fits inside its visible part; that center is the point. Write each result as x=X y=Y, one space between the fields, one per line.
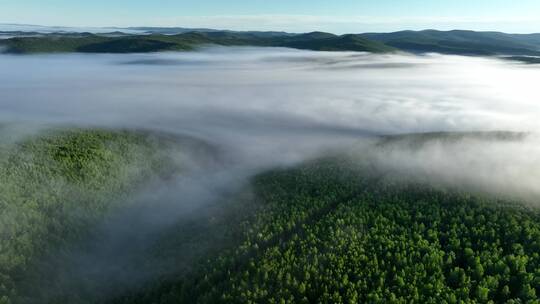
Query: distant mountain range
x=523 y=47
x=181 y=30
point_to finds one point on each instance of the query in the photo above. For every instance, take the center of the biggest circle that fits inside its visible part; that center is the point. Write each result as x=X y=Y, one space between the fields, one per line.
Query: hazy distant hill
x=461 y=42
x=181 y=30
x=170 y=30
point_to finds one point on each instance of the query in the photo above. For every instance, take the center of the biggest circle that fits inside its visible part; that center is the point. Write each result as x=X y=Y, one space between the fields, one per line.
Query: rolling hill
x=520 y=47
x=460 y=42
x=56 y=186
x=92 y=43
x=335 y=229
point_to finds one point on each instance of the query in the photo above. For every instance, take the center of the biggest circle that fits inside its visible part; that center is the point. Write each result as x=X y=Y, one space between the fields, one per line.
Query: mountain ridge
x=155 y=39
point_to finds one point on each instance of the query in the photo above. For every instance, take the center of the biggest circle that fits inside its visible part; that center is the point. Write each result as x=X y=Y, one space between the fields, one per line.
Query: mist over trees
x=268 y=175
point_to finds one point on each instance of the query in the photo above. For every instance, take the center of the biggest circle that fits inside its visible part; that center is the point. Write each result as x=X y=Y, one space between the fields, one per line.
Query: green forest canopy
x=327 y=231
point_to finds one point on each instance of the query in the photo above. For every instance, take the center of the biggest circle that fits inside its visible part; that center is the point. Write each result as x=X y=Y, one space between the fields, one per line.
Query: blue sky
x=339 y=16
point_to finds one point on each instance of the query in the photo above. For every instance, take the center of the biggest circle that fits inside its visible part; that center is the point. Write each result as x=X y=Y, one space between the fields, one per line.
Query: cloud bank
x=272 y=105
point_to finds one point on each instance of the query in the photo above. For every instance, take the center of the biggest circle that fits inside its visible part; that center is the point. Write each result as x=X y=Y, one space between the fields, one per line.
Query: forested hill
x=57 y=186
x=522 y=47
x=342 y=231
x=461 y=42
x=336 y=229
x=115 y=43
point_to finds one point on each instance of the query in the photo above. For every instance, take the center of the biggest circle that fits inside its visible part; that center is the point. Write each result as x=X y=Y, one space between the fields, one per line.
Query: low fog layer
x=61 y=29
x=503 y=164
x=259 y=101
x=268 y=107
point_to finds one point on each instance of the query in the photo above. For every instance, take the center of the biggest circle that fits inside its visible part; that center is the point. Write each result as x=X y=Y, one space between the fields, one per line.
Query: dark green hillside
x=460 y=42
x=186 y=41
x=126 y=45
x=162 y=39
x=54 y=186
x=530 y=39
x=332 y=230
x=339 y=231
x=94 y=44
x=338 y=43
x=28 y=45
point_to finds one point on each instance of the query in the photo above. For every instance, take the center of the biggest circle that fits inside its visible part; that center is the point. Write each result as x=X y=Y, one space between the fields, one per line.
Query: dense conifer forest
x=330 y=230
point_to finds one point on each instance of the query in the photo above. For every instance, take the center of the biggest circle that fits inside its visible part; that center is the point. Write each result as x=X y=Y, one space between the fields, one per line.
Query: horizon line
x=132 y=27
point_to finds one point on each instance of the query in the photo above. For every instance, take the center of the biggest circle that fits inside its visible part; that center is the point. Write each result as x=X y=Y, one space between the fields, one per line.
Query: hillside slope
x=460 y=42
x=56 y=185
x=90 y=43
x=336 y=230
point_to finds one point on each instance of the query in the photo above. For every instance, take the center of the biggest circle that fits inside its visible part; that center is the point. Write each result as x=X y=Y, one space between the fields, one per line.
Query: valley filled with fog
x=275 y=106
x=342 y=90
x=226 y=115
